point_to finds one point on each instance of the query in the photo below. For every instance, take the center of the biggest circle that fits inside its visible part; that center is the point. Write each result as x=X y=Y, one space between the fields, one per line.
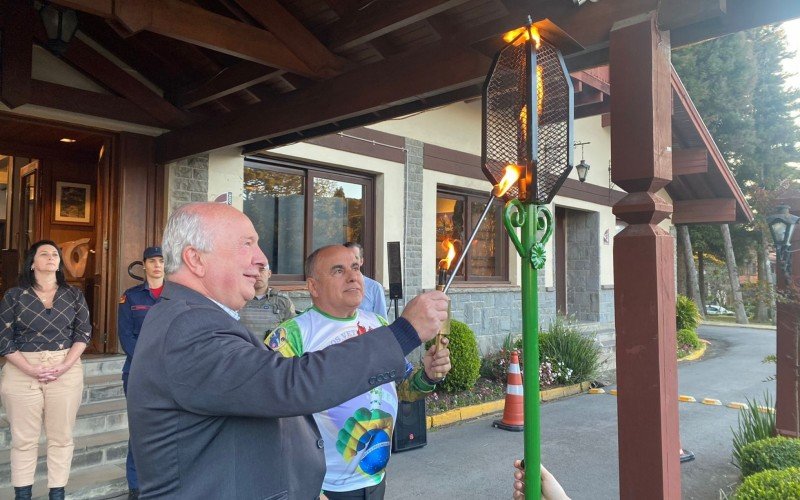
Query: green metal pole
x=530 y=361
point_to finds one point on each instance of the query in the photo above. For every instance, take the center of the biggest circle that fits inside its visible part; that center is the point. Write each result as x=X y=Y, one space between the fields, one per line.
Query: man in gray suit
x=209 y=404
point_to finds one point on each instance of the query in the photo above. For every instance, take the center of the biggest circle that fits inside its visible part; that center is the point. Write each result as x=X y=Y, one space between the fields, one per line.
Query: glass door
x=29 y=206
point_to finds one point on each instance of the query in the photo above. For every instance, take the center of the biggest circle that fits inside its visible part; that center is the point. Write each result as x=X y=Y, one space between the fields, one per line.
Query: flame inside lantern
x=523 y=113
x=527 y=34
x=510 y=177
x=447 y=244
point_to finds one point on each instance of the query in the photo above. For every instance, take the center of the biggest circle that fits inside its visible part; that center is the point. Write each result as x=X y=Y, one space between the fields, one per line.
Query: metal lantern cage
x=528 y=74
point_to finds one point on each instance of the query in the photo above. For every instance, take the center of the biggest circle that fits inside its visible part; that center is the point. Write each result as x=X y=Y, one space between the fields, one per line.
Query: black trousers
x=372 y=493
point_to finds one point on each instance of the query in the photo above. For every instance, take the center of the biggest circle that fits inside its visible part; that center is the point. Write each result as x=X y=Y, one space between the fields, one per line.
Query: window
x=457 y=214
x=297 y=209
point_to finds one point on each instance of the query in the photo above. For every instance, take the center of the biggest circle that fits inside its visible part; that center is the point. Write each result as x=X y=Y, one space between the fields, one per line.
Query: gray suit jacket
x=215 y=415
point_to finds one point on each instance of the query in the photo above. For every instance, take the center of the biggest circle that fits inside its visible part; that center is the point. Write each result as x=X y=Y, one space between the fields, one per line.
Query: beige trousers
x=26 y=400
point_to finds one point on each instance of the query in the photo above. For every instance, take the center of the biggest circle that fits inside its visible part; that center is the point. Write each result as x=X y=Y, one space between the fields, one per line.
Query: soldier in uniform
x=133 y=306
x=267 y=309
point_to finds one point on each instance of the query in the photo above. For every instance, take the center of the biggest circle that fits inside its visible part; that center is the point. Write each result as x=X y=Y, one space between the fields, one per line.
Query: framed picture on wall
x=73 y=203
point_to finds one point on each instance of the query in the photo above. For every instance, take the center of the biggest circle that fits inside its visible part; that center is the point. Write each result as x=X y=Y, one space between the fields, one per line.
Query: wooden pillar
x=787 y=398
x=16 y=43
x=137 y=194
x=644 y=276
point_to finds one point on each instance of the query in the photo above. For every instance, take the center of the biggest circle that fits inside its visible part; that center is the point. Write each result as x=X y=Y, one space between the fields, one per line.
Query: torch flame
x=451 y=254
x=526 y=33
x=523 y=113
x=510 y=177
x=539 y=89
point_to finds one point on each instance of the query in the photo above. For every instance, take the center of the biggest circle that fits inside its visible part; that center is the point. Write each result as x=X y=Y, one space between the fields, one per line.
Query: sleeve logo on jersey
x=277 y=338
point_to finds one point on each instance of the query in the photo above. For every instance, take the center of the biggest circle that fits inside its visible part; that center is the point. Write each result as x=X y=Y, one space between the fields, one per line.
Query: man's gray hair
x=185 y=228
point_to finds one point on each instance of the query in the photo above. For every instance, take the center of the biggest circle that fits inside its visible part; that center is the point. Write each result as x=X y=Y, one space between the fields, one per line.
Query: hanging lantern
x=60 y=26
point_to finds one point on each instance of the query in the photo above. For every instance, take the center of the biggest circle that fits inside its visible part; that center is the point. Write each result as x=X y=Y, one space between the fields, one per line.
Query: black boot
x=23 y=492
x=56 y=493
x=133 y=494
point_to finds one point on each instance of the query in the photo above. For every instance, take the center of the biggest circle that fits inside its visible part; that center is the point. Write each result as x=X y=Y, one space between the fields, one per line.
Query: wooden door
x=30 y=206
x=100 y=281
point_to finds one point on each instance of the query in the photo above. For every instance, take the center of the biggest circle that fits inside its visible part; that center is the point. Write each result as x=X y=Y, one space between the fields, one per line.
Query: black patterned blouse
x=28 y=326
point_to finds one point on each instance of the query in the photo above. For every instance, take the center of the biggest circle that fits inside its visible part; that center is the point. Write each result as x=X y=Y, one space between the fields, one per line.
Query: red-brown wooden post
x=644 y=277
x=787 y=398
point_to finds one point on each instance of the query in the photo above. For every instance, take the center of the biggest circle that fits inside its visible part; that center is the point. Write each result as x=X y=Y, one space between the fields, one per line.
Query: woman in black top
x=44 y=328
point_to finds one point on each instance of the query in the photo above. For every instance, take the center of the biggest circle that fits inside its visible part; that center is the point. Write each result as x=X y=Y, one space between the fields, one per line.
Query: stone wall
x=412 y=247
x=188 y=181
x=583 y=265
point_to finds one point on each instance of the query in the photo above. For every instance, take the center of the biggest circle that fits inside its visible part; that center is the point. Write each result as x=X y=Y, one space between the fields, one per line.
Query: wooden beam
x=101 y=8
x=19 y=148
x=594 y=79
x=181 y=21
x=379 y=18
x=591 y=23
x=706 y=211
x=593 y=109
x=740 y=15
x=291 y=32
x=16 y=58
x=96 y=66
x=410 y=77
x=51 y=95
x=228 y=81
x=589 y=95
x=689 y=161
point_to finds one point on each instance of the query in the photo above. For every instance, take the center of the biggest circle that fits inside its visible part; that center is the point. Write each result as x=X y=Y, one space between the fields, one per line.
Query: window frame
x=470 y=196
x=310 y=172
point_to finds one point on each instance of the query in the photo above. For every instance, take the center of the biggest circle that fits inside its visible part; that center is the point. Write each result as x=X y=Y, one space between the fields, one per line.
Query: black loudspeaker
x=410 y=430
x=395 y=270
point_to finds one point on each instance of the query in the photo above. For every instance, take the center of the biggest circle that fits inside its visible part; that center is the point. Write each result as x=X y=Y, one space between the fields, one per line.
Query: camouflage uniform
x=261 y=316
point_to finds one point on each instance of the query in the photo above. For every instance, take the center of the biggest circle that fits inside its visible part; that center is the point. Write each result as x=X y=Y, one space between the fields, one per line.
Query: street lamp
x=781 y=225
x=60 y=25
x=582 y=168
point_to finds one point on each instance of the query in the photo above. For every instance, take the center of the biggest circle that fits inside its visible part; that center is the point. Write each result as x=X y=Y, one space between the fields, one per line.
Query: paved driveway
x=473 y=460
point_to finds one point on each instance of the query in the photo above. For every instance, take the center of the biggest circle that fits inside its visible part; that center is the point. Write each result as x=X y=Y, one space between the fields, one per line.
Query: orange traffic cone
x=513 y=414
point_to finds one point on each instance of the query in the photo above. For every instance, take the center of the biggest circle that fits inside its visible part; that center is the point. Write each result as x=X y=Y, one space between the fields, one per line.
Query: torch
x=528 y=74
x=444 y=266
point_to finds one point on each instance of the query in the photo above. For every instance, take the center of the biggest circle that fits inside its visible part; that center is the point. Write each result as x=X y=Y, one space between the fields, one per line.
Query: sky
x=792 y=29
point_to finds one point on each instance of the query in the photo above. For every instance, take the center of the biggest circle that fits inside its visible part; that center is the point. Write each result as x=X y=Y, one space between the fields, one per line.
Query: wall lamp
x=582 y=168
x=60 y=26
x=781 y=225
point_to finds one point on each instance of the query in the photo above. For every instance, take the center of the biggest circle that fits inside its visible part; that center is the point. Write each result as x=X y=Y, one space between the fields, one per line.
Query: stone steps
x=96 y=483
x=90 y=451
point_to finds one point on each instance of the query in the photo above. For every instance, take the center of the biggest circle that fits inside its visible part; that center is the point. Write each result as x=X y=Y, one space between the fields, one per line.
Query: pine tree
x=737 y=85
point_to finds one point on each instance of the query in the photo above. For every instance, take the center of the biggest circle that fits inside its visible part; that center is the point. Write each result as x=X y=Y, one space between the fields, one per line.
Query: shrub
x=753 y=425
x=464 y=358
x=688 y=341
x=574 y=356
x=687 y=314
x=770 y=453
x=771 y=485
x=494 y=366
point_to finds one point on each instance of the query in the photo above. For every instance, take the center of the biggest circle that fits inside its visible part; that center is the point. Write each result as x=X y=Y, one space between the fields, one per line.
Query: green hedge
x=464 y=358
x=771 y=453
x=687 y=314
x=688 y=339
x=771 y=485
